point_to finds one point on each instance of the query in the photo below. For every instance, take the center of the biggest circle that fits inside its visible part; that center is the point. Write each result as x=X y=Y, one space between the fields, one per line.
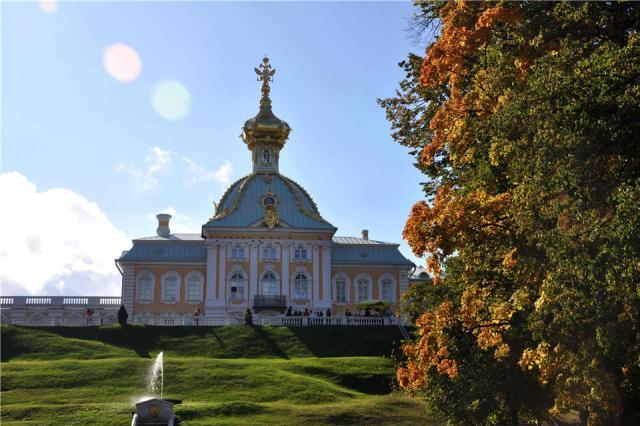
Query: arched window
x=387 y=288
x=194 y=284
x=171 y=287
x=266 y=156
x=144 y=287
x=301 y=286
x=300 y=253
x=269 y=284
x=340 y=288
x=363 y=289
x=341 y=291
x=237 y=285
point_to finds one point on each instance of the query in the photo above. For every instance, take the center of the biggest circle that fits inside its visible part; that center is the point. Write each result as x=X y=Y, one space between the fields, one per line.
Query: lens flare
x=50 y=6
x=171 y=100
x=122 y=62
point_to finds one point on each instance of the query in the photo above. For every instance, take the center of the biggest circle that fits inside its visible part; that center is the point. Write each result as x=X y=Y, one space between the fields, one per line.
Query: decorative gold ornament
x=271 y=217
x=154 y=410
x=269 y=202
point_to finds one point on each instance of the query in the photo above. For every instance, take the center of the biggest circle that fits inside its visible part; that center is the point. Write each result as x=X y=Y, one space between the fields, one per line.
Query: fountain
x=155 y=411
x=156 y=375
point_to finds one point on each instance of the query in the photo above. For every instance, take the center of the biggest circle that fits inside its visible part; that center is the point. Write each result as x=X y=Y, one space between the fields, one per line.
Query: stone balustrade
x=65 y=311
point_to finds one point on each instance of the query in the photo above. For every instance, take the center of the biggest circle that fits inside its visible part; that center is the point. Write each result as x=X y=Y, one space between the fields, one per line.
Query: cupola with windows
x=265 y=134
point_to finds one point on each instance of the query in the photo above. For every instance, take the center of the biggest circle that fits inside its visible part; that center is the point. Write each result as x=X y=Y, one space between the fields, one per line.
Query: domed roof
x=243 y=204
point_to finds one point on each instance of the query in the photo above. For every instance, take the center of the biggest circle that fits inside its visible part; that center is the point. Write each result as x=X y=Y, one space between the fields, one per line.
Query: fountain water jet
x=156 y=375
x=154 y=410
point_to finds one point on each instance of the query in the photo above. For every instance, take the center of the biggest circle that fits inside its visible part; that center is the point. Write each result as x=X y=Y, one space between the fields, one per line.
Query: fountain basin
x=154 y=412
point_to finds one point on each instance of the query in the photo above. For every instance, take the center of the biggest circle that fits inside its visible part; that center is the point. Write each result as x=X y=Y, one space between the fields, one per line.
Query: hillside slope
x=224 y=375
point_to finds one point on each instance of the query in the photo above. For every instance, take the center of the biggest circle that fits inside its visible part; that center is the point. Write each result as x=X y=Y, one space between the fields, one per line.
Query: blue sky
x=67 y=123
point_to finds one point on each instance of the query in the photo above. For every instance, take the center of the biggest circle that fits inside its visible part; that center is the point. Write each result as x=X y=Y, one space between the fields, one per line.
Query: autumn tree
x=524 y=116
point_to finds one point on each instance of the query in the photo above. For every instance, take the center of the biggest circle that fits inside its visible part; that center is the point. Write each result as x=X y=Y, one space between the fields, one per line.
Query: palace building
x=266 y=248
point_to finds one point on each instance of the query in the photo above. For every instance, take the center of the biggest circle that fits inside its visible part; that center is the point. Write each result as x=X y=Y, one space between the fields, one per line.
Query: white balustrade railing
x=75 y=301
x=38 y=300
x=302 y=321
x=87 y=301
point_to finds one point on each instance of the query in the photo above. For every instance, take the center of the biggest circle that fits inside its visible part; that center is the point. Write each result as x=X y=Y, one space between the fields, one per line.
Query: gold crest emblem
x=154 y=410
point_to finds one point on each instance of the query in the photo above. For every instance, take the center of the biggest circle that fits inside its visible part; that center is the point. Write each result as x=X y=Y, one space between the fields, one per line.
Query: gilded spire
x=265 y=134
x=265 y=73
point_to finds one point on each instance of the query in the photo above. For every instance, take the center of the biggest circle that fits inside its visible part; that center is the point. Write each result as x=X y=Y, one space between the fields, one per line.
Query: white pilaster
x=326 y=276
x=286 y=279
x=253 y=272
x=212 y=254
x=316 y=275
x=404 y=282
x=128 y=290
x=222 y=279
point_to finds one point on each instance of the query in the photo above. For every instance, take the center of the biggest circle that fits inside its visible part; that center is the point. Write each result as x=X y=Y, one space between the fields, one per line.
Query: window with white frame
x=300 y=253
x=237 y=286
x=362 y=290
x=171 y=287
x=269 y=284
x=340 y=295
x=386 y=288
x=269 y=252
x=194 y=288
x=237 y=252
x=300 y=286
x=144 y=287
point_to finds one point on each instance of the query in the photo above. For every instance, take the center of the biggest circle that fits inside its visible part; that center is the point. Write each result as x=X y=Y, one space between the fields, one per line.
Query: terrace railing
x=269 y=302
x=88 y=301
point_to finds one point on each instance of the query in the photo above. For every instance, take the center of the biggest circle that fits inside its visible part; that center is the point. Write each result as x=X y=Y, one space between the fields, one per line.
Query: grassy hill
x=224 y=375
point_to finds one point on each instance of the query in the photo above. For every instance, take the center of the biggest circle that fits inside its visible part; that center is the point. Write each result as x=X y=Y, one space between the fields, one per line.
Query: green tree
x=524 y=117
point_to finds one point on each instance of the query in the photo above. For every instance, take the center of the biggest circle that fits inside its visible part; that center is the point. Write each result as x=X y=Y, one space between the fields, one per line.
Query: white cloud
x=195 y=173
x=159 y=162
x=55 y=242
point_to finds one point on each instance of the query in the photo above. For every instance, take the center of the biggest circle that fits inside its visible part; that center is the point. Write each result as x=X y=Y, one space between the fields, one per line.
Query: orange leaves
x=431 y=349
x=466 y=28
x=453 y=221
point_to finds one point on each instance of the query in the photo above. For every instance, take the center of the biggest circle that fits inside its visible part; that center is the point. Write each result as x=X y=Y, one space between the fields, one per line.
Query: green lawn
x=224 y=375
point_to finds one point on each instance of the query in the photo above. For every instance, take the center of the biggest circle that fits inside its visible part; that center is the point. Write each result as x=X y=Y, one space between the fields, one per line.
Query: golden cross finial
x=265 y=73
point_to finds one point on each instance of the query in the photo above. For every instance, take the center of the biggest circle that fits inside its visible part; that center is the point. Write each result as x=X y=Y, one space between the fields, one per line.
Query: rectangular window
x=363 y=290
x=237 y=252
x=386 y=291
x=341 y=291
x=269 y=253
x=300 y=253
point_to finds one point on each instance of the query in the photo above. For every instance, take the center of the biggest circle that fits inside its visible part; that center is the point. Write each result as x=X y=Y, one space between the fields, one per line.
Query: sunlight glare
x=171 y=100
x=122 y=62
x=49 y=6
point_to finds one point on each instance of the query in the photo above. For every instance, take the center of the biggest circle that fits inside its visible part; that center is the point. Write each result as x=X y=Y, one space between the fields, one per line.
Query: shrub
x=122 y=316
x=248 y=317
